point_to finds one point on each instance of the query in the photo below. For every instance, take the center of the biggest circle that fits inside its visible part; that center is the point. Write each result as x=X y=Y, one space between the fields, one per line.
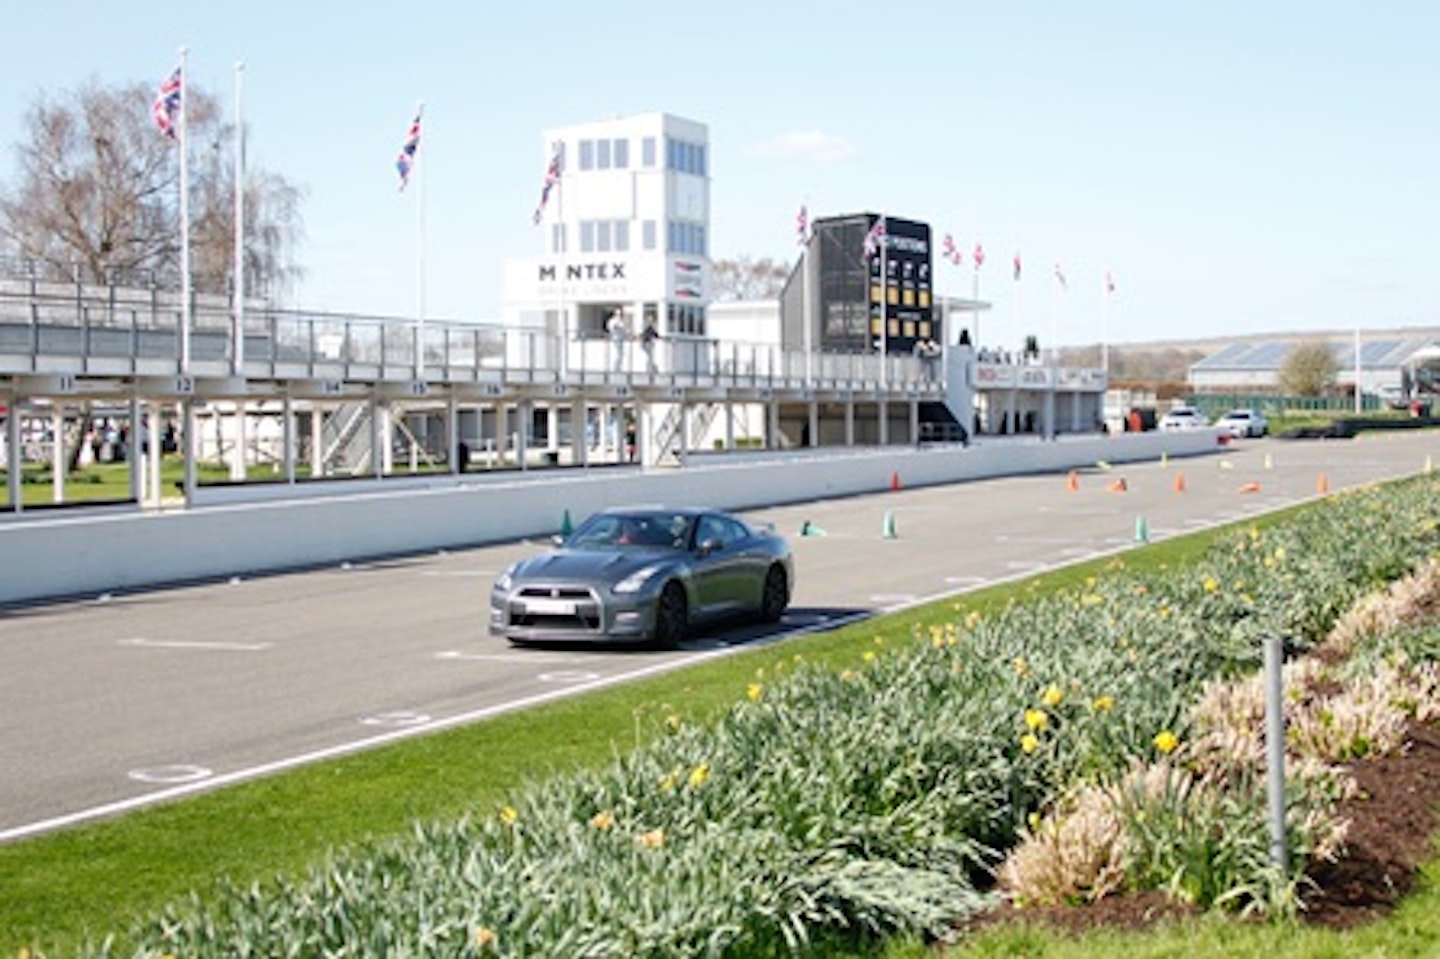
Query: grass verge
x=57 y=889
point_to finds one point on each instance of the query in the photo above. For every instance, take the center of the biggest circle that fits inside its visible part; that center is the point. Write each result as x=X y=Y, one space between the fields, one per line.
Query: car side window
x=711 y=528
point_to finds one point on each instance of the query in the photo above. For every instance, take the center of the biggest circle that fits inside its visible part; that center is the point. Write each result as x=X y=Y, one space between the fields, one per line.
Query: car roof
x=651 y=508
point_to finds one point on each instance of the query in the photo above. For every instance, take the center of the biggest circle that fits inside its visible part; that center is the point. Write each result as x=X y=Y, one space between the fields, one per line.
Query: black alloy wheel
x=775 y=596
x=672 y=615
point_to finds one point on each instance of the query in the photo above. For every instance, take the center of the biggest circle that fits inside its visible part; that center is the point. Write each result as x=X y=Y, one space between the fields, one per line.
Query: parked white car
x=1244 y=422
x=1183 y=418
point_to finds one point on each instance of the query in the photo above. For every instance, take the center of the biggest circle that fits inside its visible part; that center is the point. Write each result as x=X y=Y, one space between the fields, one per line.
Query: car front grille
x=556 y=608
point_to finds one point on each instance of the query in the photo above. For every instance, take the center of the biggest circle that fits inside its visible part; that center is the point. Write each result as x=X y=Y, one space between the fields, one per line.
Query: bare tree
x=747 y=279
x=98 y=192
x=1309 y=369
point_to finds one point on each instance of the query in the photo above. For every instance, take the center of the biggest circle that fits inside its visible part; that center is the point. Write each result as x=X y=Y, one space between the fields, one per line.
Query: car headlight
x=506 y=580
x=636 y=580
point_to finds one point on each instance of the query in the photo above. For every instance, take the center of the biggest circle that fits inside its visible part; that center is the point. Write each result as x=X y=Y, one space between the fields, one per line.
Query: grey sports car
x=644 y=573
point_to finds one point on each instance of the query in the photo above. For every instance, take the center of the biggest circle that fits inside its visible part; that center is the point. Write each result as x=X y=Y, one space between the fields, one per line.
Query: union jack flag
x=166 y=108
x=405 y=162
x=552 y=178
x=1017 y=267
x=875 y=239
x=978 y=256
x=802 y=226
x=950 y=251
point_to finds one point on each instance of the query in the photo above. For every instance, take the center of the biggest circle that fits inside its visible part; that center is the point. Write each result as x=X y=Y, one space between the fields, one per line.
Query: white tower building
x=625 y=228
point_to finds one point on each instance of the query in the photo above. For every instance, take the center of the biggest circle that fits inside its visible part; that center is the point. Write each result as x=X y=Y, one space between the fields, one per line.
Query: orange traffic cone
x=1118 y=486
x=1250 y=488
x=894 y=481
x=1072 y=481
x=1322 y=484
x=1179 y=482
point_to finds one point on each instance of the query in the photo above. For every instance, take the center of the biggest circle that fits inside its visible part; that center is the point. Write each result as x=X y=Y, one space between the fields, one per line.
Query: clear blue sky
x=1239 y=166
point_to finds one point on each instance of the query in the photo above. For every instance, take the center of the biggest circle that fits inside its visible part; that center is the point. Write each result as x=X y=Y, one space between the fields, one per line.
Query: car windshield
x=650 y=530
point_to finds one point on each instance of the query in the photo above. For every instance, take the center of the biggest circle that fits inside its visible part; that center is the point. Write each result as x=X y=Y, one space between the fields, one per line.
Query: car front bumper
x=539 y=613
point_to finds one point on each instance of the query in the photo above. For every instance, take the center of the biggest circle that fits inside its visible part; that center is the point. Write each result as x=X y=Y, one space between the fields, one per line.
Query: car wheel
x=672 y=615
x=775 y=596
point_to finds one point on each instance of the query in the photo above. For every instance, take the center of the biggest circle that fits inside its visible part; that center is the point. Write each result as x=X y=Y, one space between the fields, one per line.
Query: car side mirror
x=557 y=539
x=710 y=546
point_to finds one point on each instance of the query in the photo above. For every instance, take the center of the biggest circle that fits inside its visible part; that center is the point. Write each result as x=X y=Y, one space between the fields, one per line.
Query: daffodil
x=699 y=775
x=869 y=656
x=653 y=839
x=1103 y=704
x=1036 y=719
x=509 y=815
x=1053 y=695
x=753 y=692
x=1166 y=741
x=1029 y=743
x=484 y=938
x=602 y=820
x=1210 y=585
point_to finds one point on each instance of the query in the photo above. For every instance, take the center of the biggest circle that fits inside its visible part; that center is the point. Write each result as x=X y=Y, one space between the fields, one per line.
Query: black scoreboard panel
x=905 y=288
x=851 y=286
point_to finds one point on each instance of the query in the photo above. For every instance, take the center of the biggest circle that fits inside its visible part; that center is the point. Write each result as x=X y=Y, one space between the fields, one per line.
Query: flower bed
x=881 y=797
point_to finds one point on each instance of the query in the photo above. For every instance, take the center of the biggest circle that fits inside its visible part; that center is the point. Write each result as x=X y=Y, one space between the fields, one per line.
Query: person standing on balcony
x=648 y=336
x=619 y=332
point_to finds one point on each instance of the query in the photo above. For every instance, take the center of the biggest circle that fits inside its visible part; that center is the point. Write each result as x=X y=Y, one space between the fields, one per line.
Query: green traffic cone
x=808 y=528
x=887 y=530
x=566 y=527
x=1142 y=532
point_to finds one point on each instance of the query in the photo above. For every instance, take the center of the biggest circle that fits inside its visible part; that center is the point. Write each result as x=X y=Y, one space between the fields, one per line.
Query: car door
x=719 y=565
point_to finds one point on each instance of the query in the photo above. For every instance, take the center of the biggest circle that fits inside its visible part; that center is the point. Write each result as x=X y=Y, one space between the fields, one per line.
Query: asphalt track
x=117 y=702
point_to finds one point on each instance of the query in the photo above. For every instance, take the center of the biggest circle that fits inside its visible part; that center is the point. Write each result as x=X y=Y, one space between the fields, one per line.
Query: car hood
x=588 y=564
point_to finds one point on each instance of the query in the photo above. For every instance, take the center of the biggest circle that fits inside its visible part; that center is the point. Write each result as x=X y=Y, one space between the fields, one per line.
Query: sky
x=1235 y=167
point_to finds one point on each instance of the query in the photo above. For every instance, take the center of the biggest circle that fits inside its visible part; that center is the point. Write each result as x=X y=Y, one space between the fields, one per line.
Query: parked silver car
x=644 y=573
x=1244 y=422
x=1183 y=418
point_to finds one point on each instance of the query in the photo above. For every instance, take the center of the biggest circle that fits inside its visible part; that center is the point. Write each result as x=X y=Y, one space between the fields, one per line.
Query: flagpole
x=1105 y=331
x=420 y=263
x=884 y=307
x=564 y=236
x=182 y=137
x=238 y=346
x=975 y=299
x=805 y=294
x=1358 y=402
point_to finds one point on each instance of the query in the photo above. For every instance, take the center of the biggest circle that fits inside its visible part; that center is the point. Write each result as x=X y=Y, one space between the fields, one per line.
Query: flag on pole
x=166 y=108
x=1017 y=267
x=802 y=226
x=951 y=252
x=552 y=178
x=1060 y=277
x=978 y=256
x=405 y=162
x=875 y=239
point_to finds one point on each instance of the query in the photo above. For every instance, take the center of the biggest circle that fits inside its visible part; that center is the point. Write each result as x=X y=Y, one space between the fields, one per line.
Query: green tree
x=98 y=193
x=1309 y=369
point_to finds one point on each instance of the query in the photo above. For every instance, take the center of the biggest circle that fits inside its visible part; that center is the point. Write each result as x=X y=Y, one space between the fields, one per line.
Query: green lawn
x=56 y=889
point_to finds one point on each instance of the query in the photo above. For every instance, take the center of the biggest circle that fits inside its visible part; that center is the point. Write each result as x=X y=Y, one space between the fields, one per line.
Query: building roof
x=1265 y=355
